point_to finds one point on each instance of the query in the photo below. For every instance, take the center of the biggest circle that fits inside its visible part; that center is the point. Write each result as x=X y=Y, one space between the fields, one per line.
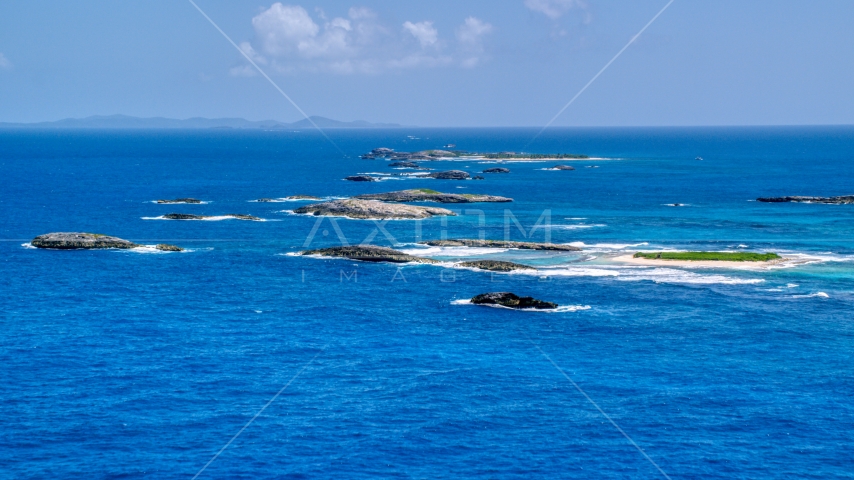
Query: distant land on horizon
x=126 y=121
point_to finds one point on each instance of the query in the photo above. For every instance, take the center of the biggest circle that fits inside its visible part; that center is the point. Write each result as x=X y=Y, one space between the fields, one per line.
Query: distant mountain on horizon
x=126 y=121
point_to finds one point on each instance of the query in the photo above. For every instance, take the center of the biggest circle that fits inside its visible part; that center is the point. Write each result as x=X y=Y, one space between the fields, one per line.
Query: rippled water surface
x=140 y=363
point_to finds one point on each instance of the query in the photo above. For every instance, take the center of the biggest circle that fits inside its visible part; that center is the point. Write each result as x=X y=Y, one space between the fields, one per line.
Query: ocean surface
x=134 y=364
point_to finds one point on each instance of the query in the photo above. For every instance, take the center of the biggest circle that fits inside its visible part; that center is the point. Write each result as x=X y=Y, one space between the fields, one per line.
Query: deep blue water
x=122 y=364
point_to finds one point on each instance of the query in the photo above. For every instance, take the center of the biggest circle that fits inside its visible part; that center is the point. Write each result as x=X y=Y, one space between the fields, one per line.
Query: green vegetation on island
x=710 y=256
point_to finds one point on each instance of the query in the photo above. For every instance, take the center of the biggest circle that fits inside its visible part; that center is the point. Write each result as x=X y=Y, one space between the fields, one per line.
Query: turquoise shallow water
x=133 y=365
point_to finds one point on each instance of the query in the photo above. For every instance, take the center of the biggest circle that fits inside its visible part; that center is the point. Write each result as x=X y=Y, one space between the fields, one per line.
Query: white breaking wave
x=452 y=251
x=212 y=218
x=607 y=246
x=291 y=212
x=283 y=200
x=152 y=249
x=575 y=227
x=813 y=295
x=636 y=274
x=383 y=179
x=627 y=274
x=380 y=176
x=560 y=309
x=139 y=249
x=804 y=258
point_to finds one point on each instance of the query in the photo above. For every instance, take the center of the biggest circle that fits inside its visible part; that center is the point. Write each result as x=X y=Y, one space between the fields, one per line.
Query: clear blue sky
x=436 y=63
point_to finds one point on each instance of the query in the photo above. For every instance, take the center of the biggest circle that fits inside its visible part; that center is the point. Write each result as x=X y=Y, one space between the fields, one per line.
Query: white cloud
x=288 y=29
x=471 y=32
x=243 y=71
x=556 y=8
x=360 y=13
x=4 y=62
x=289 y=39
x=250 y=52
x=282 y=28
x=423 y=31
x=470 y=35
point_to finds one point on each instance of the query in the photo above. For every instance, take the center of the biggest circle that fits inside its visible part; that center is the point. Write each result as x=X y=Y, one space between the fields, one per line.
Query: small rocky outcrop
x=80 y=240
x=497 y=170
x=478 y=177
x=841 y=200
x=511 y=300
x=501 y=244
x=371 y=209
x=426 y=195
x=302 y=197
x=563 y=167
x=495 y=265
x=164 y=247
x=361 y=178
x=407 y=165
x=184 y=216
x=180 y=200
x=188 y=216
x=378 y=153
x=368 y=253
x=265 y=200
x=450 y=175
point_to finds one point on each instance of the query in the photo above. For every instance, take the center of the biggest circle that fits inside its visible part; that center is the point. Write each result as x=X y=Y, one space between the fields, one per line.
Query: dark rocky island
x=79 y=241
x=450 y=175
x=427 y=195
x=495 y=265
x=501 y=244
x=361 y=178
x=407 y=165
x=390 y=154
x=188 y=216
x=497 y=170
x=511 y=300
x=371 y=209
x=90 y=241
x=841 y=200
x=180 y=200
x=368 y=253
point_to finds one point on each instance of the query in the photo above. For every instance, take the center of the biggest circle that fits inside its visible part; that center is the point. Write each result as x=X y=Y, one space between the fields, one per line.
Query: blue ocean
x=147 y=364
